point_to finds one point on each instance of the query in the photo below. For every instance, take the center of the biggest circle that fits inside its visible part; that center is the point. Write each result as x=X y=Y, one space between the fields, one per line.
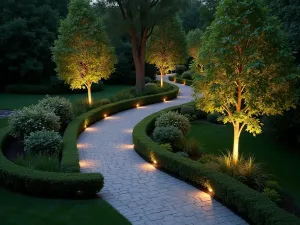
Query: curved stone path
x=134 y=187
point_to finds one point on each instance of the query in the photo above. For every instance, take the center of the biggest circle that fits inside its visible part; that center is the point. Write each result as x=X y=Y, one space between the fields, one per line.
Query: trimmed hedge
x=41 y=183
x=70 y=157
x=248 y=202
x=180 y=80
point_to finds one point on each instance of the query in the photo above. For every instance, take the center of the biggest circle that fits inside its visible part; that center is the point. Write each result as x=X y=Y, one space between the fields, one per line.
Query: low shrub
x=150 y=89
x=187 y=110
x=33 y=118
x=168 y=134
x=39 y=162
x=147 y=80
x=187 y=75
x=81 y=106
x=122 y=95
x=182 y=154
x=191 y=147
x=167 y=146
x=43 y=142
x=62 y=107
x=174 y=119
x=272 y=184
x=245 y=170
x=180 y=69
x=200 y=115
x=207 y=158
x=246 y=201
x=180 y=80
x=214 y=118
x=272 y=194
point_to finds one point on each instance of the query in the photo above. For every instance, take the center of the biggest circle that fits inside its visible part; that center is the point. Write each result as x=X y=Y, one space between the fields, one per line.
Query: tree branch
x=122 y=9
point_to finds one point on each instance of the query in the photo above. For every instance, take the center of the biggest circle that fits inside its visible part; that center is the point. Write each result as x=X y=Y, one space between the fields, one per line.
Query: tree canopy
x=194 y=42
x=247 y=61
x=167 y=46
x=83 y=53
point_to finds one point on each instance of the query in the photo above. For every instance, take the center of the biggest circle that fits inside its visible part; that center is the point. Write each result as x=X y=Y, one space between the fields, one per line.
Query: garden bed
x=246 y=201
x=180 y=80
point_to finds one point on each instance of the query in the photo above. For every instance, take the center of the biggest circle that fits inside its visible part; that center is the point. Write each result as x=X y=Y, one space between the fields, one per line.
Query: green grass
x=15 y=101
x=18 y=209
x=279 y=161
x=3 y=122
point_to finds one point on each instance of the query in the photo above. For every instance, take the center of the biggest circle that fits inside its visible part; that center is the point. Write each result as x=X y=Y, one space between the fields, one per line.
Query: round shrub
x=187 y=75
x=43 y=142
x=147 y=80
x=180 y=69
x=201 y=115
x=150 y=89
x=272 y=194
x=213 y=118
x=33 y=118
x=174 y=119
x=187 y=110
x=190 y=146
x=62 y=107
x=168 y=134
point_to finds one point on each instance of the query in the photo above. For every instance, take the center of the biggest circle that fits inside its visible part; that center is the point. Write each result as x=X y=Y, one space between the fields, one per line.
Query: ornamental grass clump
x=33 y=118
x=174 y=119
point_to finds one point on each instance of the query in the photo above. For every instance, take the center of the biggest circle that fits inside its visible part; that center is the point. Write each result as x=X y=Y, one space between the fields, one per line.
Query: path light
x=104 y=115
x=137 y=105
x=165 y=99
x=210 y=190
x=155 y=162
x=175 y=80
x=184 y=82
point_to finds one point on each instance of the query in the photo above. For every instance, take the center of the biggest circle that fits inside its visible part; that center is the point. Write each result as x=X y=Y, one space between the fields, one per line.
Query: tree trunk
x=161 y=78
x=89 y=88
x=236 y=140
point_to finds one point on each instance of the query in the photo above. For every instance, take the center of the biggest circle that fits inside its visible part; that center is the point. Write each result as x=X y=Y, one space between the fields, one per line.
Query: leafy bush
x=245 y=170
x=167 y=146
x=272 y=194
x=190 y=146
x=39 y=162
x=31 y=119
x=168 y=134
x=272 y=184
x=187 y=110
x=187 y=75
x=174 y=119
x=182 y=154
x=150 y=89
x=213 y=118
x=81 y=106
x=122 y=95
x=43 y=142
x=180 y=69
x=207 y=158
x=201 y=115
x=147 y=80
x=62 y=107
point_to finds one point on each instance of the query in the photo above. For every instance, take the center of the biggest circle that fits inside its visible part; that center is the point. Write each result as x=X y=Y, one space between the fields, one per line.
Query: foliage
x=151 y=88
x=252 y=204
x=147 y=80
x=33 y=118
x=182 y=154
x=39 y=162
x=28 y=29
x=174 y=119
x=246 y=59
x=187 y=110
x=214 y=118
x=272 y=194
x=167 y=45
x=191 y=147
x=272 y=184
x=194 y=42
x=167 y=146
x=62 y=107
x=122 y=95
x=200 y=115
x=168 y=134
x=83 y=53
x=180 y=69
x=207 y=158
x=187 y=75
x=245 y=170
x=43 y=142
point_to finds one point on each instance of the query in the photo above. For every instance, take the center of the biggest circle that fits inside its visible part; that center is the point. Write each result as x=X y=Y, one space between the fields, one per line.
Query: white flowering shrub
x=169 y=134
x=62 y=107
x=33 y=118
x=43 y=142
x=174 y=119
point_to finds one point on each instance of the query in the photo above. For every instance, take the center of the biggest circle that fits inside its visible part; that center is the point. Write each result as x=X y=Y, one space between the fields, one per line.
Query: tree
x=82 y=52
x=138 y=18
x=246 y=59
x=167 y=46
x=194 y=42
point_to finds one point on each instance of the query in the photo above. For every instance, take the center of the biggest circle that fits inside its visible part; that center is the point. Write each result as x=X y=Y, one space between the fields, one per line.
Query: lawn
x=284 y=164
x=15 y=101
x=3 y=122
x=18 y=209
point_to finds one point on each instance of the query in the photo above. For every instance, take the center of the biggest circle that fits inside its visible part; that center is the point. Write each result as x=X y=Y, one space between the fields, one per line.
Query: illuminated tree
x=194 y=42
x=83 y=53
x=138 y=18
x=167 y=46
x=246 y=60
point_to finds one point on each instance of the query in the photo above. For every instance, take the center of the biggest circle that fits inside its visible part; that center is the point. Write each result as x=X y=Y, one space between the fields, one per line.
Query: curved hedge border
x=254 y=205
x=180 y=80
x=70 y=158
x=71 y=183
x=41 y=183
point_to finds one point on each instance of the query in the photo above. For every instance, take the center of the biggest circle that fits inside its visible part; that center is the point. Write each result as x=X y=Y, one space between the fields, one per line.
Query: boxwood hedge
x=180 y=80
x=248 y=202
x=71 y=183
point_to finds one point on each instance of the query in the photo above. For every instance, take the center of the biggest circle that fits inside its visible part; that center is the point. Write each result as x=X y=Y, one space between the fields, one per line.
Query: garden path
x=139 y=191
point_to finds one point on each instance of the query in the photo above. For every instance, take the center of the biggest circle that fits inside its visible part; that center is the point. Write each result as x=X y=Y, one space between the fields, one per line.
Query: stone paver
x=134 y=187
